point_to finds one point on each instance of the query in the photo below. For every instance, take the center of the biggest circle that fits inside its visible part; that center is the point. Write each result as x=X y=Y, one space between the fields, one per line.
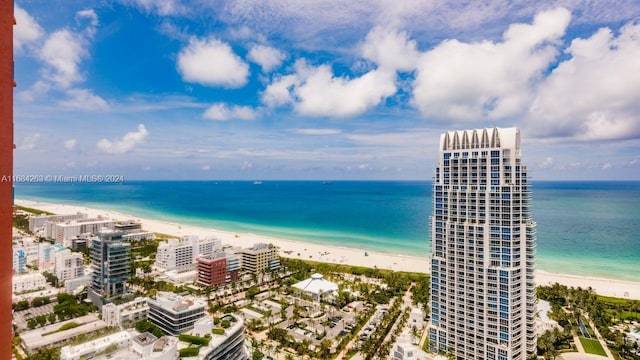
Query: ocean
x=584 y=228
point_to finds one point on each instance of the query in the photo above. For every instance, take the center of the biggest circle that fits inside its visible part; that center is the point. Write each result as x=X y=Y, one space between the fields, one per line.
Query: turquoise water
x=584 y=228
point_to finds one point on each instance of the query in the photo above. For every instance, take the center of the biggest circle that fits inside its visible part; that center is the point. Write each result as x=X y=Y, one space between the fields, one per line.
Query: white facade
x=483 y=248
x=148 y=347
x=28 y=282
x=229 y=345
x=47 y=255
x=317 y=287
x=68 y=265
x=180 y=254
x=63 y=232
x=404 y=350
x=127 y=313
x=175 y=314
x=25 y=252
x=75 y=285
x=136 y=236
x=416 y=319
x=38 y=222
x=89 y=349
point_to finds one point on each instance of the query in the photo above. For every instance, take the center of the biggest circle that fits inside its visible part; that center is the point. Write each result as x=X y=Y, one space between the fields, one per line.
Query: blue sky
x=333 y=89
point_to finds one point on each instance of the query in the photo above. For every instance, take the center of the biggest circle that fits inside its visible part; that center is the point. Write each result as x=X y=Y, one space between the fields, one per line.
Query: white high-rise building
x=63 y=232
x=68 y=265
x=38 y=222
x=180 y=254
x=483 y=248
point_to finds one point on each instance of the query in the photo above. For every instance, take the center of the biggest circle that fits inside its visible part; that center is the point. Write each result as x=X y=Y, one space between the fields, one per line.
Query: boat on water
x=257 y=182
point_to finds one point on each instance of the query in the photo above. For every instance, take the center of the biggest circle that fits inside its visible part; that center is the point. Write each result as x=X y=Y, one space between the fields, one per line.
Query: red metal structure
x=7 y=84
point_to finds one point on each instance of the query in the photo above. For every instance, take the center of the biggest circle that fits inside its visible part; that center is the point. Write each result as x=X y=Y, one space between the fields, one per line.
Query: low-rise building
x=148 y=347
x=132 y=231
x=51 y=335
x=405 y=349
x=416 y=318
x=95 y=347
x=178 y=278
x=77 y=285
x=318 y=288
x=28 y=282
x=126 y=314
x=137 y=236
x=175 y=314
x=25 y=252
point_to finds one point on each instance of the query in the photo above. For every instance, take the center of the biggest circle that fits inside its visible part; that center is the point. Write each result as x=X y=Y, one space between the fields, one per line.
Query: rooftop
x=316 y=285
x=49 y=334
x=94 y=345
x=175 y=302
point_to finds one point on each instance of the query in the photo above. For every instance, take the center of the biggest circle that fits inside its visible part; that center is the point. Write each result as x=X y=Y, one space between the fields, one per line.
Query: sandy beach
x=330 y=254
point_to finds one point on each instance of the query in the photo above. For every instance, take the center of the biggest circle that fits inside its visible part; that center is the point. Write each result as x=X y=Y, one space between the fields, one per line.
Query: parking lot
x=20 y=318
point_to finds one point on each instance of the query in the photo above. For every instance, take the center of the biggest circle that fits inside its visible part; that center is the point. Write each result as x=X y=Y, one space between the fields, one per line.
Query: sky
x=330 y=89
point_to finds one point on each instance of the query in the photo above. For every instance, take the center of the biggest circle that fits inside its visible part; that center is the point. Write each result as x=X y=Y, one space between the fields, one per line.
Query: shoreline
x=331 y=253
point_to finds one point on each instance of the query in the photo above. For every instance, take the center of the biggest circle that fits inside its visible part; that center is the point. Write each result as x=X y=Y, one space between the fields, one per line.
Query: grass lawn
x=592 y=346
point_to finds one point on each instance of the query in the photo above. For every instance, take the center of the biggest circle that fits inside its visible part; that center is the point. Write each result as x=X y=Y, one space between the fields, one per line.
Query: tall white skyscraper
x=483 y=248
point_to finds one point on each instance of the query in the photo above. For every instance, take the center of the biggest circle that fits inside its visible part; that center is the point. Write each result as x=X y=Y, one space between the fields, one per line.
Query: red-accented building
x=212 y=269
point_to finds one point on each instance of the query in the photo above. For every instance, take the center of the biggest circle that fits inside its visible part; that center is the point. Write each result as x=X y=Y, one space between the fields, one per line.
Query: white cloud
x=327 y=24
x=161 y=7
x=29 y=142
x=221 y=111
x=84 y=99
x=70 y=144
x=606 y=166
x=26 y=31
x=475 y=81
x=318 y=132
x=211 y=62
x=278 y=93
x=205 y=167
x=316 y=91
x=547 y=162
x=63 y=51
x=267 y=57
x=390 y=49
x=128 y=142
x=93 y=20
x=594 y=95
x=323 y=94
x=38 y=89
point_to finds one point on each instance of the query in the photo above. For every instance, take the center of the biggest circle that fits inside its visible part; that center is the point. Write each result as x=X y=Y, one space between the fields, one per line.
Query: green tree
x=257 y=354
x=252 y=292
x=20 y=305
